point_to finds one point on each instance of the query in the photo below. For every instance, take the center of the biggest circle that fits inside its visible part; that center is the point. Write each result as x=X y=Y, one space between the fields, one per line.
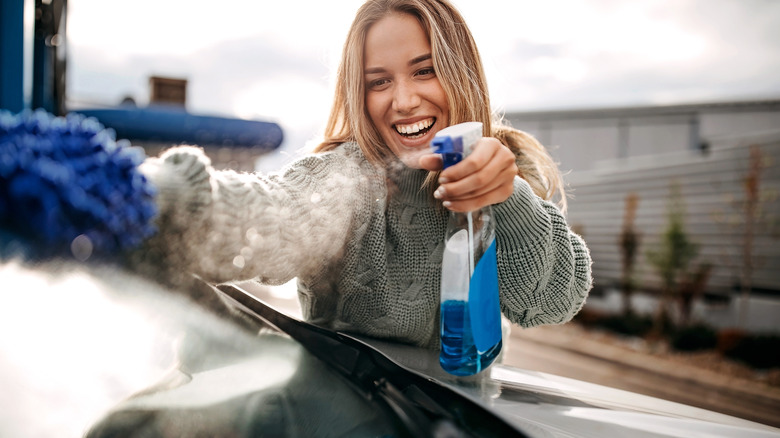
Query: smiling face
x=404 y=98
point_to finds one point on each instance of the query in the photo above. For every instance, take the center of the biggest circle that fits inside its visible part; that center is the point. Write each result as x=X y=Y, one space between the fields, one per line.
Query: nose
x=405 y=97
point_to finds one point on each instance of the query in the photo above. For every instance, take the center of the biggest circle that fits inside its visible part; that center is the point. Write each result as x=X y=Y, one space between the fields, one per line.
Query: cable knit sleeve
x=223 y=225
x=544 y=268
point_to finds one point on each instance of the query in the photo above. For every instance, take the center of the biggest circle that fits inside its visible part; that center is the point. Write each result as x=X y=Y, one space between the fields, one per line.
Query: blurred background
x=663 y=114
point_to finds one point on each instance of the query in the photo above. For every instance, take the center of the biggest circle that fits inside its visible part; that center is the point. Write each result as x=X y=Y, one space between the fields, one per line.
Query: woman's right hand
x=483 y=178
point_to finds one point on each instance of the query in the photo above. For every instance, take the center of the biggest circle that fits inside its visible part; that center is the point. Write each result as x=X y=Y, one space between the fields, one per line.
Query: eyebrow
x=413 y=61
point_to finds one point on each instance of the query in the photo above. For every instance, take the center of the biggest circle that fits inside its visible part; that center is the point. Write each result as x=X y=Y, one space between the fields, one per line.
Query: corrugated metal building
x=705 y=150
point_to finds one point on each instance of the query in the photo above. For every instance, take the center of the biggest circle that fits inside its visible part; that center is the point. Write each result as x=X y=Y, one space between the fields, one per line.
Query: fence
x=712 y=189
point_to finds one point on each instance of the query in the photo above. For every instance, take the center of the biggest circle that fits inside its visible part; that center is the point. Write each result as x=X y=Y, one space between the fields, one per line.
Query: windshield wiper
x=423 y=406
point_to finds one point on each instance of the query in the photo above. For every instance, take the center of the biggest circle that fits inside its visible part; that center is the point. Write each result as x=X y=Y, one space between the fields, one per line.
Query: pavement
x=566 y=351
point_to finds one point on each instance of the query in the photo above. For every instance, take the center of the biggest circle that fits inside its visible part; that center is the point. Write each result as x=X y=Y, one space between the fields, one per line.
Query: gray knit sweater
x=364 y=242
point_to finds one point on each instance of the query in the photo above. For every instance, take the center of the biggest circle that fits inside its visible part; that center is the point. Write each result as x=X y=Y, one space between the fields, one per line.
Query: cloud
x=272 y=61
x=219 y=75
x=604 y=53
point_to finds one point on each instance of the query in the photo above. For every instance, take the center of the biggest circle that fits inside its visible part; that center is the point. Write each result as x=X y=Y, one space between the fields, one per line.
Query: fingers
x=492 y=194
x=431 y=162
x=484 y=178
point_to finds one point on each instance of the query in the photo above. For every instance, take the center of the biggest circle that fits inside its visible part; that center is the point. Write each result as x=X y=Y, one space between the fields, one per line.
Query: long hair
x=458 y=67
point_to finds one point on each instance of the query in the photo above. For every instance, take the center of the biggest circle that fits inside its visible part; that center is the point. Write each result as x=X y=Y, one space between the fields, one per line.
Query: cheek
x=374 y=109
x=441 y=98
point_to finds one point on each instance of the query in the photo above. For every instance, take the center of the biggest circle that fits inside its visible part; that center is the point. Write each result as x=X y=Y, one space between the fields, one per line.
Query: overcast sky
x=276 y=60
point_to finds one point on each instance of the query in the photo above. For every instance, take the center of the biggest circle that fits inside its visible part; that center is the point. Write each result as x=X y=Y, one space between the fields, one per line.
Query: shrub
x=758 y=351
x=589 y=318
x=693 y=338
x=631 y=324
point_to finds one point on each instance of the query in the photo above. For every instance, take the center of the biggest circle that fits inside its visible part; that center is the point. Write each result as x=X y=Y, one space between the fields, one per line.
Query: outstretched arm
x=222 y=225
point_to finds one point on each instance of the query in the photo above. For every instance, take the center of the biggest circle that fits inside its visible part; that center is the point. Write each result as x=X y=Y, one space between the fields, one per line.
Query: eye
x=426 y=72
x=376 y=84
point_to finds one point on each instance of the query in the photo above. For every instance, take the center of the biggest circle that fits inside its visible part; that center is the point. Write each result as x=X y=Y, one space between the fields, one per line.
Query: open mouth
x=415 y=130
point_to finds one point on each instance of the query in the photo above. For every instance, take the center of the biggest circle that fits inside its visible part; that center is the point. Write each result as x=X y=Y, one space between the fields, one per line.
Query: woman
x=358 y=223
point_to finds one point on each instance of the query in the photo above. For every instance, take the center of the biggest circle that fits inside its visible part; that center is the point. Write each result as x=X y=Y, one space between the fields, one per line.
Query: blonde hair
x=458 y=67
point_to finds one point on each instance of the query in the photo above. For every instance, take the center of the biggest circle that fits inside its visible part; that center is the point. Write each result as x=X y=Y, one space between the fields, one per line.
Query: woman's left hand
x=483 y=178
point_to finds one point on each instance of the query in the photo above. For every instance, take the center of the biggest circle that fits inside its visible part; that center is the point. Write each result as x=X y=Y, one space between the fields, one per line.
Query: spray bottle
x=470 y=313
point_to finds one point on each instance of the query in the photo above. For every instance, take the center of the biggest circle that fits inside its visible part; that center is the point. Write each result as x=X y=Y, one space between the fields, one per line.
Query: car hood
x=102 y=347
x=545 y=405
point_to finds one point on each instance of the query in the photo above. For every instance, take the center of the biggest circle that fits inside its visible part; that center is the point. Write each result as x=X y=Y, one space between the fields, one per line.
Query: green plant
x=673 y=255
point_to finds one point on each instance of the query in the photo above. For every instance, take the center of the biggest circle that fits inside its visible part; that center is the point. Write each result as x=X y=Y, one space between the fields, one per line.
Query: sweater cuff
x=182 y=179
x=184 y=195
x=521 y=219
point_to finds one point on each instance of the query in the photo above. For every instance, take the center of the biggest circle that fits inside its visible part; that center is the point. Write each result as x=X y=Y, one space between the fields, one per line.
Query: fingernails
x=446 y=204
x=443 y=180
x=439 y=193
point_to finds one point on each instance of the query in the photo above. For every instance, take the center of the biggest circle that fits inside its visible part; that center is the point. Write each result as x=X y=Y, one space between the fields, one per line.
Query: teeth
x=414 y=128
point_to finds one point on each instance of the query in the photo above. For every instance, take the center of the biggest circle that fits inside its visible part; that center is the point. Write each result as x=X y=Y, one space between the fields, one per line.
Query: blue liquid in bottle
x=459 y=355
x=470 y=312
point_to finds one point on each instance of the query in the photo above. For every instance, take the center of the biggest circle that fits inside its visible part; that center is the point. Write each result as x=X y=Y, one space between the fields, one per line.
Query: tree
x=691 y=287
x=751 y=184
x=628 y=242
x=672 y=257
x=751 y=217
